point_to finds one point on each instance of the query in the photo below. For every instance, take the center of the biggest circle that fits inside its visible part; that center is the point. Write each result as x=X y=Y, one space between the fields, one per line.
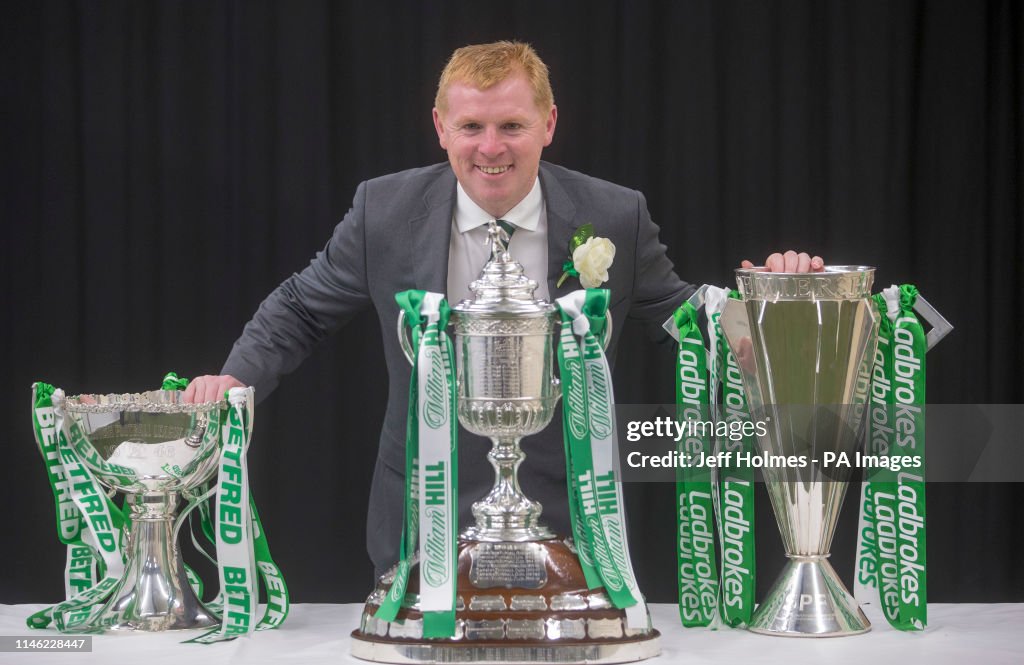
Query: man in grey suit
x=425 y=229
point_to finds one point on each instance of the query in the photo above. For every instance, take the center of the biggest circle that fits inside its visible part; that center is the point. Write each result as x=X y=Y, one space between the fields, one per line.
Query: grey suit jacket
x=396 y=237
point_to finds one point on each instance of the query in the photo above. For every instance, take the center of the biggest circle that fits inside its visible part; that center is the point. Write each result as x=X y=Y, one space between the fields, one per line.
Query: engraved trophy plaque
x=154 y=448
x=521 y=594
x=802 y=341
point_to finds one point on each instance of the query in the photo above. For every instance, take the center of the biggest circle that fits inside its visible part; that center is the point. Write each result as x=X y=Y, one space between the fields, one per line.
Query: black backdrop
x=166 y=164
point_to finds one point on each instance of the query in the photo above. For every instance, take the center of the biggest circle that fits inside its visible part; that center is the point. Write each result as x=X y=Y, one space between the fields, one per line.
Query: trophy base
x=116 y=622
x=521 y=602
x=382 y=652
x=809 y=600
x=154 y=594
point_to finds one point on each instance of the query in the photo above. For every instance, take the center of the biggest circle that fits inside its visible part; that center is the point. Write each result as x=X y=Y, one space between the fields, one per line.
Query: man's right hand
x=210 y=388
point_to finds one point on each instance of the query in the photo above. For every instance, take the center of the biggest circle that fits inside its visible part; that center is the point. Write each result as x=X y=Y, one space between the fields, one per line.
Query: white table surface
x=974 y=634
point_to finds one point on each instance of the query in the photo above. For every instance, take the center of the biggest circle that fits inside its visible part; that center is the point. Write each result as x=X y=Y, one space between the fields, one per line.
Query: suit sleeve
x=657 y=289
x=306 y=307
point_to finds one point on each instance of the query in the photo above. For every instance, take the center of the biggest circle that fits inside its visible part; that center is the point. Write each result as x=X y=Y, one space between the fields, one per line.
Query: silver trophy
x=154 y=448
x=803 y=343
x=521 y=593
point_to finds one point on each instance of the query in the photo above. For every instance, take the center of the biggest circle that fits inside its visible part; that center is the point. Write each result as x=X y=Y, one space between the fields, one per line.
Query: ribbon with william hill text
x=431 y=510
x=592 y=448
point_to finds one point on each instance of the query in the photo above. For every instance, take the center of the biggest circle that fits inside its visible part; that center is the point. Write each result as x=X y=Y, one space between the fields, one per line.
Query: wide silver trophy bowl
x=521 y=594
x=802 y=342
x=154 y=448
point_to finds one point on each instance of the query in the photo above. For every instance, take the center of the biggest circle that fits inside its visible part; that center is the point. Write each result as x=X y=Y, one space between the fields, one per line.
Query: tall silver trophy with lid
x=521 y=595
x=802 y=342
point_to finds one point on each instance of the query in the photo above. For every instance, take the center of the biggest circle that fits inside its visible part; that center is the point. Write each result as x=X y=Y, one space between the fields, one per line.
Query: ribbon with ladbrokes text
x=96 y=532
x=695 y=524
x=734 y=499
x=590 y=421
x=891 y=549
x=431 y=470
x=707 y=499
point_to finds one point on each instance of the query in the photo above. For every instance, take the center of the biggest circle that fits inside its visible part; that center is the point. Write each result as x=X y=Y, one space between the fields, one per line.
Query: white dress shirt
x=469 y=249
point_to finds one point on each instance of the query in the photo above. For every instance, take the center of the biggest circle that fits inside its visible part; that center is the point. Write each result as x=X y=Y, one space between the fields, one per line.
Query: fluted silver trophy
x=521 y=592
x=802 y=341
x=153 y=447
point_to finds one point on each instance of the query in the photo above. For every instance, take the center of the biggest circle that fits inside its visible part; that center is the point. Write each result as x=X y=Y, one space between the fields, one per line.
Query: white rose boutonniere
x=590 y=257
x=592 y=260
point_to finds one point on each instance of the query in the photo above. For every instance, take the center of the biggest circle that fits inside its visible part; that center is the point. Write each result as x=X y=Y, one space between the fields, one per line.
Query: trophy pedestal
x=515 y=602
x=809 y=600
x=154 y=593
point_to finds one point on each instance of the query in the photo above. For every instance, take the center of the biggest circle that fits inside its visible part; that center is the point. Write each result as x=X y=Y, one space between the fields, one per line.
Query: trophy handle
x=403 y=339
x=406 y=344
x=607 y=339
x=940 y=326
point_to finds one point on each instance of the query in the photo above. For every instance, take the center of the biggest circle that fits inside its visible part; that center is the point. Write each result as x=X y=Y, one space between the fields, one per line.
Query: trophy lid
x=503 y=289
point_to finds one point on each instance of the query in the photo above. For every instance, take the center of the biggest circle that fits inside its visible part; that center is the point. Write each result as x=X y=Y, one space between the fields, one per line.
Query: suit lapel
x=562 y=223
x=430 y=236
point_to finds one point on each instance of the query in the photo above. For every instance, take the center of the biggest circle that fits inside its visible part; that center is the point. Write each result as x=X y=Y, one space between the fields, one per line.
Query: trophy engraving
x=519 y=565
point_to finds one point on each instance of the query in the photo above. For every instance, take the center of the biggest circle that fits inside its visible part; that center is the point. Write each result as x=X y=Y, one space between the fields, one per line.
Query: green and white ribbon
x=80 y=569
x=879 y=428
x=278 y=600
x=593 y=452
x=735 y=486
x=236 y=563
x=431 y=505
x=709 y=390
x=87 y=519
x=892 y=537
x=244 y=546
x=695 y=524
x=576 y=437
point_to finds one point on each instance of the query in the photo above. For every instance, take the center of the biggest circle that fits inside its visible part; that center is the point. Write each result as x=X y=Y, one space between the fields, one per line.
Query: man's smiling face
x=494 y=139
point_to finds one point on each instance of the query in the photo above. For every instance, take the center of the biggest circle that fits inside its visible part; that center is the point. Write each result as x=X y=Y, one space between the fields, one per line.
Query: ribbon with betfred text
x=592 y=454
x=735 y=482
x=892 y=550
x=243 y=553
x=89 y=522
x=431 y=509
x=233 y=525
x=697 y=573
x=228 y=536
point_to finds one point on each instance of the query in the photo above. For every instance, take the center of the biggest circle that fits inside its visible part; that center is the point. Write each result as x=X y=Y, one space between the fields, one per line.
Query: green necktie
x=509 y=228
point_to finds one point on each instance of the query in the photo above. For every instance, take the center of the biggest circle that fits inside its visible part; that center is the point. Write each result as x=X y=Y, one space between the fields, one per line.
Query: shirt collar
x=525 y=215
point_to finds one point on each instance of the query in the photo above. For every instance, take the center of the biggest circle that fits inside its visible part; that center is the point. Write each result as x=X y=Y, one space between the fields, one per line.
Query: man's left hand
x=790 y=262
